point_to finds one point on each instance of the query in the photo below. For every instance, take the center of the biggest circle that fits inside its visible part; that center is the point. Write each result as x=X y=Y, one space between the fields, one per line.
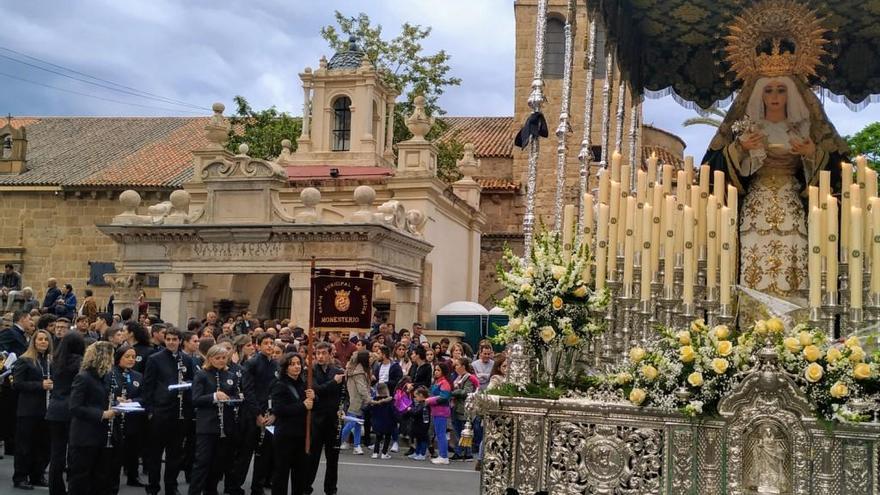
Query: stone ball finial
x=243 y=149
x=322 y=64
x=419 y=123
x=285 y=143
x=130 y=199
x=307 y=70
x=310 y=197
x=218 y=108
x=364 y=195
x=180 y=200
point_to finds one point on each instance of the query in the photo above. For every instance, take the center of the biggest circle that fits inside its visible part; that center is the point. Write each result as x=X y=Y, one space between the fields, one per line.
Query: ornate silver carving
x=519 y=371
x=606 y=106
x=496 y=458
x=682 y=443
x=585 y=156
x=564 y=127
x=536 y=99
x=530 y=446
x=709 y=461
x=635 y=111
x=856 y=468
x=618 y=129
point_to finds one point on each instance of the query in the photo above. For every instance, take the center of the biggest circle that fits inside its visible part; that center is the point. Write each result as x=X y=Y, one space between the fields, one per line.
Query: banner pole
x=310 y=354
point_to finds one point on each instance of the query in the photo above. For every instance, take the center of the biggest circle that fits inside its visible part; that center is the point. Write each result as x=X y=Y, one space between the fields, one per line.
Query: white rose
x=547 y=334
x=557 y=271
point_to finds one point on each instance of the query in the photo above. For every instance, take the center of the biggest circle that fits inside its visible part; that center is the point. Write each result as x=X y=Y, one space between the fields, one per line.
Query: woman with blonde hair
x=244 y=348
x=91 y=424
x=32 y=378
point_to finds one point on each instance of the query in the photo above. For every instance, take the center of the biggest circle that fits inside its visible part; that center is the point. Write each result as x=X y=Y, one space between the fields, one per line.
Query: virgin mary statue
x=774 y=142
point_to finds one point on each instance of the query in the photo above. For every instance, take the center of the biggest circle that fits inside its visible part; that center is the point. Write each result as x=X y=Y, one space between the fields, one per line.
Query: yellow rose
x=557 y=271
x=530 y=271
x=724 y=348
x=792 y=344
x=684 y=337
x=547 y=334
x=581 y=291
x=687 y=354
x=839 y=390
x=514 y=324
x=572 y=340
x=805 y=338
x=636 y=354
x=695 y=379
x=557 y=303
x=774 y=325
x=812 y=353
x=761 y=327
x=698 y=326
x=861 y=371
x=624 y=378
x=814 y=372
x=719 y=365
x=852 y=342
x=833 y=355
x=856 y=354
x=525 y=288
x=637 y=396
x=649 y=372
x=721 y=332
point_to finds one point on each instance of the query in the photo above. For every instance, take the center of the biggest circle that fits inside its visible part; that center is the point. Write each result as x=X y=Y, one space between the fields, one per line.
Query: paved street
x=358 y=475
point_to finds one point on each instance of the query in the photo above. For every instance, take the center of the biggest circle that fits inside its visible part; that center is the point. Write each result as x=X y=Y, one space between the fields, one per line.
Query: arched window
x=281 y=301
x=341 y=124
x=599 y=71
x=6 y=146
x=554 y=48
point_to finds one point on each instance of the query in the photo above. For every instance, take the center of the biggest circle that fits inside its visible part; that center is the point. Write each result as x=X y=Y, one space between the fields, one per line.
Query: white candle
x=726 y=259
x=621 y=217
x=711 y=241
x=855 y=199
x=588 y=225
x=604 y=186
x=814 y=265
x=681 y=186
x=718 y=184
x=733 y=204
x=625 y=182
x=615 y=166
x=824 y=191
x=629 y=241
x=667 y=179
x=613 y=219
x=647 y=219
x=812 y=197
x=668 y=242
x=855 y=258
x=652 y=168
x=705 y=175
x=695 y=200
x=601 y=245
x=657 y=203
x=688 y=283
x=868 y=233
x=846 y=177
x=875 y=246
x=861 y=175
x=568 y=214
x=831 y=239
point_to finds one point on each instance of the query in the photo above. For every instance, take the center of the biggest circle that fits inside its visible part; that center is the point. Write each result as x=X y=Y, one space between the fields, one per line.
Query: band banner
x=341 y=299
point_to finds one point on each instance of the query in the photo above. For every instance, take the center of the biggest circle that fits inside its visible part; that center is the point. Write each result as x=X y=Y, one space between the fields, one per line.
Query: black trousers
x=135 y=425
x=91 y=470
x=189 y=449
x=291 y=462
x=31 y=448
x=8 y=406
x=213 y=459
x=165 y=436
x=260 y=450
x=325 y=437
x=58 y=434
x=385 y=440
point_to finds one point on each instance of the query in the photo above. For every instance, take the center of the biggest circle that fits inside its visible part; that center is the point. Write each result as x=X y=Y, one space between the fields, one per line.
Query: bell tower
x=13 y=148
x=348 y=113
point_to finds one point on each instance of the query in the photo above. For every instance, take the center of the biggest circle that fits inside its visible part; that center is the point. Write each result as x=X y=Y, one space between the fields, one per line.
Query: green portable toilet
x=464 y=316
x=498 y=317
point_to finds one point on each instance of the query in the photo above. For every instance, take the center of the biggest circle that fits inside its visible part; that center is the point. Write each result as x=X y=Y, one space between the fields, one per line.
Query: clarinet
x=220 y=407
x=180 y=390
x=124 y=388
x=340 y=419
x=263 y=430
x=48 y=377
x=110 y=422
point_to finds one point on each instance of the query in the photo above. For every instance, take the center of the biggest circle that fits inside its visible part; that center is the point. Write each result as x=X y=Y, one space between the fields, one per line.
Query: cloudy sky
x=200 y=51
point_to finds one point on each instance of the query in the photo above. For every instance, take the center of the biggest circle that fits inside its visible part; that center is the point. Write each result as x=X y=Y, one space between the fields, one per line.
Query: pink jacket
x=438 y=402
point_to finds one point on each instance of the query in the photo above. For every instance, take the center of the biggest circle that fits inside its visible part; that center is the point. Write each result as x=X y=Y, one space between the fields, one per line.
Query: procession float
x=707 y=330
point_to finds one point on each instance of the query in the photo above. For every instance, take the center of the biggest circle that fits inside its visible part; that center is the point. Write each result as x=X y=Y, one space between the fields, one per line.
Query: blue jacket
x=382 y=415
x=52 y=295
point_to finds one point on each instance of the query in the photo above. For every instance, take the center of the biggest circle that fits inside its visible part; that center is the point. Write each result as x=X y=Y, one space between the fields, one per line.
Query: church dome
x=348 y=59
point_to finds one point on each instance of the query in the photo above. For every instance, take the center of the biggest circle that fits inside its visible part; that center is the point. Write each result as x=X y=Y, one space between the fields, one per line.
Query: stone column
x=125 y=288
x=300 y=303
x=389 y=130
x=406 y=305
x=307 y=105
x=174 y=288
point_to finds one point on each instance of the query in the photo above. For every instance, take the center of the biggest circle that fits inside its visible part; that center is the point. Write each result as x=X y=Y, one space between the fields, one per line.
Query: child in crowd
x=420 y=417
x=382 y=414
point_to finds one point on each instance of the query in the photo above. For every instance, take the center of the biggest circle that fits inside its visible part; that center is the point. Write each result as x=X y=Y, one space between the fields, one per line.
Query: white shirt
x=383 y=372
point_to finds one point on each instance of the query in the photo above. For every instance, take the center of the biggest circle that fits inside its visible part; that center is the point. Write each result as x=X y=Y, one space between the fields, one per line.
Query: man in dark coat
x=327 y=383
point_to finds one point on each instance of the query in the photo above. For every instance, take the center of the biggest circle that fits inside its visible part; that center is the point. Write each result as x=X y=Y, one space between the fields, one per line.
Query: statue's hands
x=804 y=148
x=752 y=141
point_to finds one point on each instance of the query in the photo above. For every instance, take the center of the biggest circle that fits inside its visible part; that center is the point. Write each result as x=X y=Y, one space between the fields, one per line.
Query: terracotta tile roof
x=495 y=184
x=492 y=136
x=663 y=155
x=108 y=151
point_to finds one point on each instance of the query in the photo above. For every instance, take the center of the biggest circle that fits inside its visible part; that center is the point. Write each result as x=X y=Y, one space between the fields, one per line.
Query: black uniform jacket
x=62 y=379
x=142 y=353
x=27 y=378
x=13 y=340
x=89 y=398
x=288 y=406
x=207 y=409
x=328 y=393
x=132 y=383
x=259 y=373
x=162 y=371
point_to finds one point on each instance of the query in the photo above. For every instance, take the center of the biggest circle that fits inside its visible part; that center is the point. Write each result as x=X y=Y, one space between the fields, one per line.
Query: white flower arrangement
x=548 y=302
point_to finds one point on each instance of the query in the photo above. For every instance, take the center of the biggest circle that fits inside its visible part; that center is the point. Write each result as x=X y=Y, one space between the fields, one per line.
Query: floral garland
x=692 y=369
x=548 y=301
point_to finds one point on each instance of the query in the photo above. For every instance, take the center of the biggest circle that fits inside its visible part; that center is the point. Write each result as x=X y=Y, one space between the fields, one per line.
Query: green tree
x=867 y=142
x=707 y=119
x=262 y=130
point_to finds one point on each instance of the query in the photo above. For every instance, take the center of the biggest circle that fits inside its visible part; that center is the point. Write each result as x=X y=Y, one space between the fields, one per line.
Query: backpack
x=402 y=401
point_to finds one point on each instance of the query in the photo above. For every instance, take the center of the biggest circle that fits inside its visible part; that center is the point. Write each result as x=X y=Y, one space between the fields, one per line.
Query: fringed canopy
x=676 y=47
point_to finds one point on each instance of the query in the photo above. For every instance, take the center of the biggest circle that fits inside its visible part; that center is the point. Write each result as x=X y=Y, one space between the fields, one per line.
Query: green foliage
x=262 y=130
x=867 y=142
x=706 y=118
x=448 y=153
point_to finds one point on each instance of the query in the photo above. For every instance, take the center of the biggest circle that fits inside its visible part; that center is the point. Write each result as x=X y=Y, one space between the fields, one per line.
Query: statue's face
x=775 y=96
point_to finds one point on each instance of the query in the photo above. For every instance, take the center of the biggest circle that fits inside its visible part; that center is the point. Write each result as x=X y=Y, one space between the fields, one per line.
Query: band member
x=189 y=342
x=67 y=359
x=169 y=409
x=125 y=384
x=91 y=418
x=259 y=372
x=327 y=383
x=217 y=395
x=290 y=401
x=32 y=378
x=138 y=337
x=12 y=340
